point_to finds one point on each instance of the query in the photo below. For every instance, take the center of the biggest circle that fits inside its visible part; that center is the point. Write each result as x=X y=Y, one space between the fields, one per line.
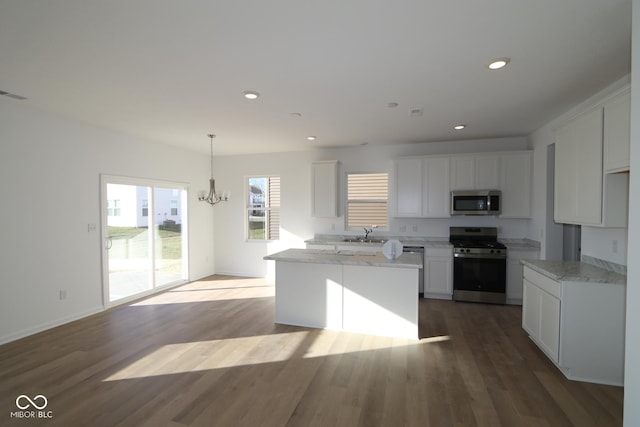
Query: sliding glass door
x=144 y=224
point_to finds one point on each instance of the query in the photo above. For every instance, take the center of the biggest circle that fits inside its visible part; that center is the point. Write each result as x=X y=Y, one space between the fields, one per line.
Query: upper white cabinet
x=617 y=125
x=422 y=187
x=515 y=184
x=475 y=171
x=409 y=187
x=436 y=195
x=578 y=170
x=587 y=148
x=324 y=183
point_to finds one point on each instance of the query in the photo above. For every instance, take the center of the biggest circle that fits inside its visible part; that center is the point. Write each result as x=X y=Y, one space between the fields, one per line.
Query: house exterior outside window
x=263 y=208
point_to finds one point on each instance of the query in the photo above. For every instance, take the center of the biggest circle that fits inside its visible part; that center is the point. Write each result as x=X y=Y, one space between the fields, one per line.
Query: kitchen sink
x=364 y=240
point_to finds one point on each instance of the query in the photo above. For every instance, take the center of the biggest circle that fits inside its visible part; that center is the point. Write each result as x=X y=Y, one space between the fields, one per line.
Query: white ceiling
x=173 y=71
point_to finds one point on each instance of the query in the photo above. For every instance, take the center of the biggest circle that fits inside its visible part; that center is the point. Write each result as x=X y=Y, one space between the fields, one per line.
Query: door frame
x=143 y=182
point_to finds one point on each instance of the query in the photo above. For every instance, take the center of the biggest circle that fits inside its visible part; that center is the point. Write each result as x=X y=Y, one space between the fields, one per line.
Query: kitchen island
x=348 y=290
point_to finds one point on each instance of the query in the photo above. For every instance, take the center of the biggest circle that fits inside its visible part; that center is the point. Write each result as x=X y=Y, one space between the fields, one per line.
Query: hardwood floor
x=209 y=354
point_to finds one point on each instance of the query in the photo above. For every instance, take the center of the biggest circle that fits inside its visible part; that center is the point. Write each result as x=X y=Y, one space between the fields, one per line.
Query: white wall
x=50 y=190
x=236 y=256
x=632 y=340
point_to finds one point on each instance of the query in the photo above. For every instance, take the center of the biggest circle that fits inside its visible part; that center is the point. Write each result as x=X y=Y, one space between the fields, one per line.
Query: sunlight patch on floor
x=198 y=356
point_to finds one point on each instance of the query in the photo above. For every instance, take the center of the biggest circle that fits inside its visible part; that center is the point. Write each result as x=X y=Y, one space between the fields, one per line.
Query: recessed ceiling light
x=311 y=138
x=459 y=127
x=250 y=94
x=496 y=64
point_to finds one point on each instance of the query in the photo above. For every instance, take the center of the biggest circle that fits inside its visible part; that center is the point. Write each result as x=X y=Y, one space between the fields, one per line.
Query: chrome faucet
x=368 y=231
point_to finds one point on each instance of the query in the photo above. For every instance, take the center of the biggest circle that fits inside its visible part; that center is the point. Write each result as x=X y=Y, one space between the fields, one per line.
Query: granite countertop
x=346 y=257
x=574 y=271
x=520 y=244
x=427 y=242
x=432 y=242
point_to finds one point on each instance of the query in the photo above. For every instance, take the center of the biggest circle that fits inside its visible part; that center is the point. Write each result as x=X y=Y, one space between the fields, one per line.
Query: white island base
x=355 y=293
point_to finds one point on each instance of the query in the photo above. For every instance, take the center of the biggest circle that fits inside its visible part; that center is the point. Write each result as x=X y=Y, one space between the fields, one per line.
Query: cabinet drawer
x=543 y=282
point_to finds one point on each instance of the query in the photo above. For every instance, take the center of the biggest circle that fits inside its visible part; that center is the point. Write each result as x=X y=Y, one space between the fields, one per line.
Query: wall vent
x=415 y=112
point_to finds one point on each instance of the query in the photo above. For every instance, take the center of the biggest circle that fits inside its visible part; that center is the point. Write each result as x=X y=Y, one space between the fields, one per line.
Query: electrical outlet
x=91 y=227
x=414 y=228
x=63 y=294
x=614 y=246
x=333 y=227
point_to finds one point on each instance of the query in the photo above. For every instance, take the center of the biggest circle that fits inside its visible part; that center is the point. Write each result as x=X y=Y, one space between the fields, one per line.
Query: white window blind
x=367 y=195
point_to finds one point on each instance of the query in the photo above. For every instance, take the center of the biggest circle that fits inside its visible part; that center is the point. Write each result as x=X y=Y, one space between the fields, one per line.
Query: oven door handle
x=480 y=256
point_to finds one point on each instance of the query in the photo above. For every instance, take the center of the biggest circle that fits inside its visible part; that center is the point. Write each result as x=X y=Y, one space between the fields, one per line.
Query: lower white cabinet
x=514 y=273
x=578 y=325
x=438 y=273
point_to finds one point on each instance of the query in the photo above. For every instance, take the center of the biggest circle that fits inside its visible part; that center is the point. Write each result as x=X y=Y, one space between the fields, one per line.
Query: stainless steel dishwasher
x=418 y=250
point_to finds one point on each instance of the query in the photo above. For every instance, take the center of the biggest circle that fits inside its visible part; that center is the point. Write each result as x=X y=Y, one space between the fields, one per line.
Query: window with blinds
x=367 y=195
x=263 y=208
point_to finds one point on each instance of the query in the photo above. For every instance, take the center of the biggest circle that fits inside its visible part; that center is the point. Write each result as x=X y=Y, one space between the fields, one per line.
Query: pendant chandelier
x=213 y=197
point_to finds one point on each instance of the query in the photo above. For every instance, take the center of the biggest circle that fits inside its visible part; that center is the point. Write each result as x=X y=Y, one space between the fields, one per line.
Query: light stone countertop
x=346 y=257
x=520 y=244
x=574 y=271
x=428 y=242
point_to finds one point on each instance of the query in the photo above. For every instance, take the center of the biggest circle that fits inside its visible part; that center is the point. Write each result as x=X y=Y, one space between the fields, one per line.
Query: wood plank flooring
x=209 y=354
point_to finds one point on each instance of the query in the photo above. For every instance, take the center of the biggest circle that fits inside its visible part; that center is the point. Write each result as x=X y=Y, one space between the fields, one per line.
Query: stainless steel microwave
x=475 y=202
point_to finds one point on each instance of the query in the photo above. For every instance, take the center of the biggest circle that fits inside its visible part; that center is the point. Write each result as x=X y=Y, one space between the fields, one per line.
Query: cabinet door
x=515 y=170
x=549 y=338
x=617 y=123
x=463 y=172
x=436 y=196
x=487 y=172
x=438 y=276
x=589 y=161
x=578 y=179
x=409 y=187
x=565 y=176
x=531 y=309
x=324 y=181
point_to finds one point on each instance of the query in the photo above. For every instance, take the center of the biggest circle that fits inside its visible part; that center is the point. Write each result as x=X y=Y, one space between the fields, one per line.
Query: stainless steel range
x=479 y=265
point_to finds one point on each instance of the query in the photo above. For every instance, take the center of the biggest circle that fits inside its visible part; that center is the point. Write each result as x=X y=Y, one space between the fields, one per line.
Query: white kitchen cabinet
x=438 y=273
x=422 y=187
x=578 y=325
x=515 y=273
x=590 y=150
x=578 y=170
x=515 y=184
x=617 y=125
x=408 y=187
x=463 y=172
x=436 y=195
x=324 y=182
x=475 y=172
